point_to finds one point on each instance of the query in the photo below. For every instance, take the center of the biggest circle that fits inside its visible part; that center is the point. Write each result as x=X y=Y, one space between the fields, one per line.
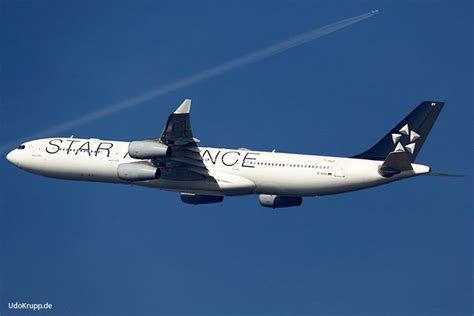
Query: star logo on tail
x=410 y=134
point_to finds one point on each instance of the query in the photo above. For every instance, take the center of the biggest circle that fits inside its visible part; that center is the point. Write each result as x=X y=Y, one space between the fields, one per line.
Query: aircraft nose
x=11 y=157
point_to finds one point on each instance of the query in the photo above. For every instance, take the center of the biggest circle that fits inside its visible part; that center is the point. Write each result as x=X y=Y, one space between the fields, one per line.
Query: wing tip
x=184 y=108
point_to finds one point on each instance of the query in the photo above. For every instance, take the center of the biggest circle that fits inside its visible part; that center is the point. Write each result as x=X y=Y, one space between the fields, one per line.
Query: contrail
x=194 y=78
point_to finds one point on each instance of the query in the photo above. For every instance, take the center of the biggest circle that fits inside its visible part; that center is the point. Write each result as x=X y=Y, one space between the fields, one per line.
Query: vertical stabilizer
x=407 y=136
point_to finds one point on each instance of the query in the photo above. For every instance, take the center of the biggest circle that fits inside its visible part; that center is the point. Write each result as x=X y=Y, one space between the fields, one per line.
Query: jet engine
x=277 y=201
x=190 y=198
x=148 y=149
x=138 y=171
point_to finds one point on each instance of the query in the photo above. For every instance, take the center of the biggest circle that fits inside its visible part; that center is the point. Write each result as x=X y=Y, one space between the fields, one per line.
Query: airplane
x=203 y=175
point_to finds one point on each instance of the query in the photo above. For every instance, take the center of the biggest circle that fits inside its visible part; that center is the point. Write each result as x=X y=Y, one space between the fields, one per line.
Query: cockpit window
x=21 y=147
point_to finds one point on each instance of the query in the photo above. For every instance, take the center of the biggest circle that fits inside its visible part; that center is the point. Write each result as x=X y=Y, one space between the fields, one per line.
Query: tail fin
x=408 y=135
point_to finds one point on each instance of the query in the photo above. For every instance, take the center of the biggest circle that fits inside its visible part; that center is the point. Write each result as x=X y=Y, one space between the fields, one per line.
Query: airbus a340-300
x=176 y=162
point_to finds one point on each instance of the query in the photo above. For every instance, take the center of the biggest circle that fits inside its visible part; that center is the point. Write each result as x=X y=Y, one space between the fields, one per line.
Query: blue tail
x=408 y=135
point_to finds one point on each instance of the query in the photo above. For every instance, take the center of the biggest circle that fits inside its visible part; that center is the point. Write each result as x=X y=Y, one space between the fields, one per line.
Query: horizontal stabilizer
x=396 y=162
x=441 y=174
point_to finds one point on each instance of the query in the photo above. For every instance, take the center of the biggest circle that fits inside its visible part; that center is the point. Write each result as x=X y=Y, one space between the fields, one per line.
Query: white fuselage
x=236 y=172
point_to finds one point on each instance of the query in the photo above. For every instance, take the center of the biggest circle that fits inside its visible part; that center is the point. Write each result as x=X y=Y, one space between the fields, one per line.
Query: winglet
x=184 y=108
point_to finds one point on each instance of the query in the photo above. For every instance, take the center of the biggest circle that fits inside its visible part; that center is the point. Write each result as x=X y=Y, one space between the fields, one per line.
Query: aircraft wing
x=185 y=162
x=177 y=131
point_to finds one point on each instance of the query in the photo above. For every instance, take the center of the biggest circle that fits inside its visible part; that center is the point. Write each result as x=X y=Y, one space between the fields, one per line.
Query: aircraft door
x=37 y=150
x=236 y=166
x=339 y=169
x=114 y=155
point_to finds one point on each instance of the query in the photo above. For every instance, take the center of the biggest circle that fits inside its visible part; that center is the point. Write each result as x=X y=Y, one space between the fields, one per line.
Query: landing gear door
x=339 y=169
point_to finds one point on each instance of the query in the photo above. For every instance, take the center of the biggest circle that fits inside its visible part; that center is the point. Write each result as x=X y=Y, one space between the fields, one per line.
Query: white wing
x=185 y=162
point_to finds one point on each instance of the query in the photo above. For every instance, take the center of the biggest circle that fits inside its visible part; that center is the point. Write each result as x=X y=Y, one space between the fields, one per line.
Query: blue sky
x=103 y=249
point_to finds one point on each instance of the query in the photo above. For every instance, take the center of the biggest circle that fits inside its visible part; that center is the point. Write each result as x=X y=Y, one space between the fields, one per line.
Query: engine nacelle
x=138 y=171
x=148 y=149
x=276 y=201
x=190 y=198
